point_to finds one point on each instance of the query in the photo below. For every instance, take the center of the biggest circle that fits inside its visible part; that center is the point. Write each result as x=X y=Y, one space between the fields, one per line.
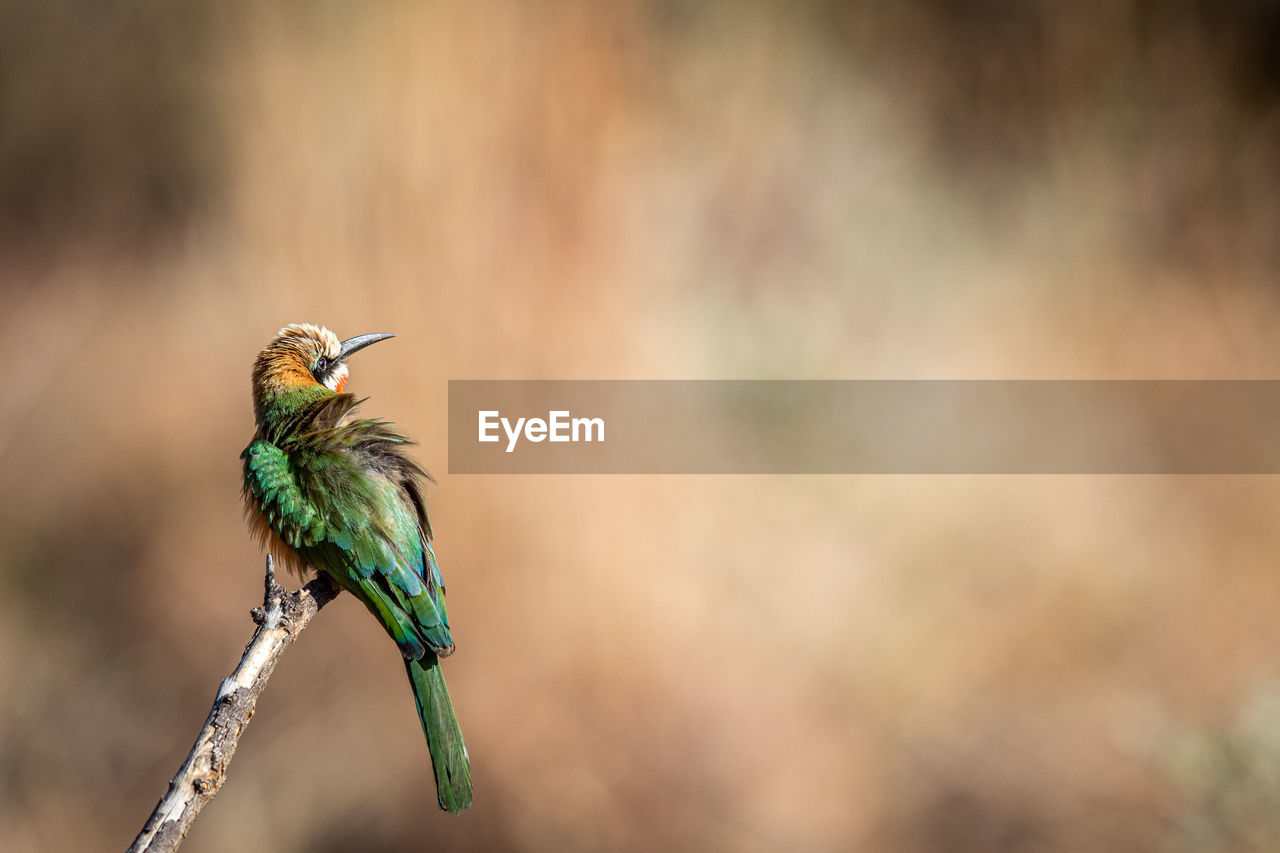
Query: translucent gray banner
x=864 y=427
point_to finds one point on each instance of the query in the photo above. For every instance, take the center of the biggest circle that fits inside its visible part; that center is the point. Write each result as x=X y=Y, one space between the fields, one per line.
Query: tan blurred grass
x=658 y=190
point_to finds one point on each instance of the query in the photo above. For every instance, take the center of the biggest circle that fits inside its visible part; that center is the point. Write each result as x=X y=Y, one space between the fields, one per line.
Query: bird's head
x=304 y=356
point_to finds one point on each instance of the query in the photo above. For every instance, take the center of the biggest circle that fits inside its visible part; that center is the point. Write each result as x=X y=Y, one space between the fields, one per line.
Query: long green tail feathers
x=444 y=737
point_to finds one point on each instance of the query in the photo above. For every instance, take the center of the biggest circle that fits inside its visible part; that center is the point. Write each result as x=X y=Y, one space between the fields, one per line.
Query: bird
x=340 y=495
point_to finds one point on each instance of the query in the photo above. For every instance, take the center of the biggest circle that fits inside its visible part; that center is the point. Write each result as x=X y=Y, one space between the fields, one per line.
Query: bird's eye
x=322 y=364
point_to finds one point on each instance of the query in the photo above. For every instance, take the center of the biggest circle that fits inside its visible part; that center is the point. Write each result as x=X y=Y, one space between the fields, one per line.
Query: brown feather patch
x=268 y=539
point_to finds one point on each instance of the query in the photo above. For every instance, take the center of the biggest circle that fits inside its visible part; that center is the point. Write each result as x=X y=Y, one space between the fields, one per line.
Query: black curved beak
x=359 y=342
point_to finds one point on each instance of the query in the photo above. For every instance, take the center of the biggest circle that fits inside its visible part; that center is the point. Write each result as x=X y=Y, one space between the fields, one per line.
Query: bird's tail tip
x=449 y=758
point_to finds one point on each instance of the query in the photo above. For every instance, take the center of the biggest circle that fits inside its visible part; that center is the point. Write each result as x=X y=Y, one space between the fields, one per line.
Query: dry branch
x=281 y=618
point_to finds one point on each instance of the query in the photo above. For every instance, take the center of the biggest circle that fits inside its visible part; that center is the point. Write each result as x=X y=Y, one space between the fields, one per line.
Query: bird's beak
x=359 y=342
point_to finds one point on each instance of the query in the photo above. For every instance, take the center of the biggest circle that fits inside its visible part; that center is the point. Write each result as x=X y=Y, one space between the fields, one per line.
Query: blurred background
x=662 y=189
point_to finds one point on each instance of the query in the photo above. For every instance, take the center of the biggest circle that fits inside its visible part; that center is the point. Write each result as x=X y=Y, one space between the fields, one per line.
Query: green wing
x=346 y=499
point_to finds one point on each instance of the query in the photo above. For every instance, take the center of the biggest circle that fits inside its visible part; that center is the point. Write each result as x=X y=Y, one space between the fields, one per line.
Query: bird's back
x=343 y=497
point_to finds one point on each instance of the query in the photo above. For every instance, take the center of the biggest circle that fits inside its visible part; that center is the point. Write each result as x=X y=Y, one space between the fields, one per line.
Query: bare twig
x=281 y=618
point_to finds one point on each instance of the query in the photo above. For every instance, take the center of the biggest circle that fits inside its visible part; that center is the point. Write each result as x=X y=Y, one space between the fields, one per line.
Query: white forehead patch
x=332 y=346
